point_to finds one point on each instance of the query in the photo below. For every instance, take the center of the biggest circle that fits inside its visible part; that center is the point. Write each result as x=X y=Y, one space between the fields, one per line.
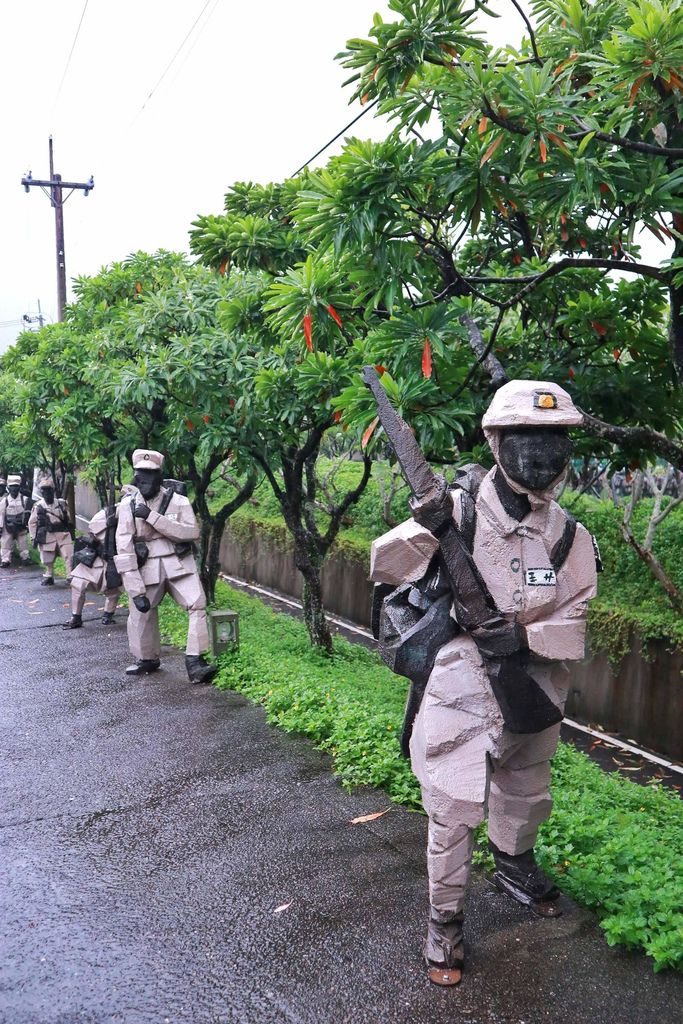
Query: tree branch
x=641 y=437
x=349 y=499
x=532 y=37
x=612 y=140
x=483 y=352
x=643 y=269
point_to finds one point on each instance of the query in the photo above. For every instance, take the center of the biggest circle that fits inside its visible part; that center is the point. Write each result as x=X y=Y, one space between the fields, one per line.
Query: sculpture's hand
x=141 y=602
x=141 y=511
x=499 y=638
x=436 y=510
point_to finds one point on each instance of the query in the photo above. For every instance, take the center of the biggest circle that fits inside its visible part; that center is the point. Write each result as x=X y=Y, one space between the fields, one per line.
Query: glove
x=112 y=519
x=141 y=602
x=435 y=511
x=141 y=511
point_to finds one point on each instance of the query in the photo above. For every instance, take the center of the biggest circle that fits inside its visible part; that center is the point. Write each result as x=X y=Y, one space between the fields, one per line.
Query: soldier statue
x=50 y=530
x=493 y=578
x=15 y=509
x=155 y=556
x=94 y=567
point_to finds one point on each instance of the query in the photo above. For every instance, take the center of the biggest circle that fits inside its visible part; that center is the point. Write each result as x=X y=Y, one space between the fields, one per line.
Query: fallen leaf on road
x=285 y=906
x=35 y=601
x=368 y=817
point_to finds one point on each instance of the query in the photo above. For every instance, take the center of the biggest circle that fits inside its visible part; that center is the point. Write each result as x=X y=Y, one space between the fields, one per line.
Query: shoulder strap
x=468 y=480
x=558 y=556
x=166 y=501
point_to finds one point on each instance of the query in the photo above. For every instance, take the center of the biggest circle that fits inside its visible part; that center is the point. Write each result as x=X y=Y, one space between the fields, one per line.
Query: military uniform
x=54 y=516
x=93 y=578
x=14 y=513
x=167 y=567
x=462 y=753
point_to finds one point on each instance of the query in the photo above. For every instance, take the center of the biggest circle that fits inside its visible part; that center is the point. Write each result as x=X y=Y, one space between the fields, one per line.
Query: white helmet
x=531 y=403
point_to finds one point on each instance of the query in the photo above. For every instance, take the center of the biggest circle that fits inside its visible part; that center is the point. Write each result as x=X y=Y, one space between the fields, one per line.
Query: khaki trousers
x=143 y=627
x=79 y=589
x=63 y=545
x=469 y=764
x=7 y=543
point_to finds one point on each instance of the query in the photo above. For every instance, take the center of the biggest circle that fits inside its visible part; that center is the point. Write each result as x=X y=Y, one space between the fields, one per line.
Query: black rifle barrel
x=418 y=474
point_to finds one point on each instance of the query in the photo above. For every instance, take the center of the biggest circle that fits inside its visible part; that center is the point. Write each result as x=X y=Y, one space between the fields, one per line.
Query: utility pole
x=29 y=319
x=57 y=200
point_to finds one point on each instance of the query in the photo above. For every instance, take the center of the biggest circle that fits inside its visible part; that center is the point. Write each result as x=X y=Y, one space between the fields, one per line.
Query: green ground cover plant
x=614 y=846
x=630 y=599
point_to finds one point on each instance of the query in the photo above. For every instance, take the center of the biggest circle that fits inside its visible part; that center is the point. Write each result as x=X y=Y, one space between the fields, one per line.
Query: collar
x=489 y=504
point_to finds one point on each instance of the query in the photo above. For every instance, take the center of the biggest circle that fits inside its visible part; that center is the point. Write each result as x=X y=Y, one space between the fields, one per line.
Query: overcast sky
x=253 y=93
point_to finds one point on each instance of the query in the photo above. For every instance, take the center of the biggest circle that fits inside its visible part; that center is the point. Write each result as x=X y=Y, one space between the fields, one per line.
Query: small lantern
x=225 y=631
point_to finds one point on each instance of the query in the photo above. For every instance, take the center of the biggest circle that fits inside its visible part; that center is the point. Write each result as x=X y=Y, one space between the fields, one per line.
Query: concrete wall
x=641 y=698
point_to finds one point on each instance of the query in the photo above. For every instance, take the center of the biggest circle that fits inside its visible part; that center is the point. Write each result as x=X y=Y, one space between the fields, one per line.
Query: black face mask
x=534 y=456
x=13 y=490
x=48 y=494
x=148 y=482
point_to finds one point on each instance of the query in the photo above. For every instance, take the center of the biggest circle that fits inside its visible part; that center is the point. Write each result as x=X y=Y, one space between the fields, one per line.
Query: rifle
x=523 y=704
x=112 y=576
x=42 y=528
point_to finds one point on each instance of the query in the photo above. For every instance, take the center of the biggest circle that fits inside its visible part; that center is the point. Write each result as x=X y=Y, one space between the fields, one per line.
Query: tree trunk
x=212 y=529
x=314 y=612
x=209 y=585
x=676 y=312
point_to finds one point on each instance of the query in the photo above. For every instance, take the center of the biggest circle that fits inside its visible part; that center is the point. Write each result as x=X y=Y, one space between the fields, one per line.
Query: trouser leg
x=6 y=544
x=48 y=560
x=519 y=799
x=111 y=599
x=449 y=856
x=143 y=627
x=66 y=550
x=22 y=543
x=187 y=591
x=79 y=589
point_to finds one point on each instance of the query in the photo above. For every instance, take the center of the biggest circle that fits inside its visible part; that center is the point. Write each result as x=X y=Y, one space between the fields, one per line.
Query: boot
x=198 y=669
x=107 y=618
x=47 y=581
x=143 y=667
x=75 y=622
x=522 y=879
x=4 y=565
x=444 y=949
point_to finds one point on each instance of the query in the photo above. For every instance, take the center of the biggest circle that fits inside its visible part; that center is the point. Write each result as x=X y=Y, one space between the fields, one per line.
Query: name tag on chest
x=541 y=578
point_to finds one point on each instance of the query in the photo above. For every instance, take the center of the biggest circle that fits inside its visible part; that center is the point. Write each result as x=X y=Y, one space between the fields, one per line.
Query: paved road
x=150 y=832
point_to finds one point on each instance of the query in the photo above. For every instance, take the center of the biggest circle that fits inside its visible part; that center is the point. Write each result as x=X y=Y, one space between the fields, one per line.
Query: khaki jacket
x=160 y=533
x=93 y=574
x=13 y=506
x=514 y=561
x=56 y=513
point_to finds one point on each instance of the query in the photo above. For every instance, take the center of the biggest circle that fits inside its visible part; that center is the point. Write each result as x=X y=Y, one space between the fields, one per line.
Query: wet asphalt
x=166 y=857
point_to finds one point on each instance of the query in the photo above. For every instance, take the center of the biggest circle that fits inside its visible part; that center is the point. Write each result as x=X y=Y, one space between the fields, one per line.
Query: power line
x=197 y=38
x=363 y=112
x=173 y=59
x=68 y=59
